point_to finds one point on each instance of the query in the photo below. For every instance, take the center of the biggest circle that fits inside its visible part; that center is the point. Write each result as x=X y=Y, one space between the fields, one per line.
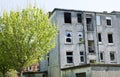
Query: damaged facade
x=86 y=46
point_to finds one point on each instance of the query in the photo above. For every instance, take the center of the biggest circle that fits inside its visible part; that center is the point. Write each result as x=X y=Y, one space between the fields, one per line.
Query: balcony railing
x=91 y=49
x=90 y=27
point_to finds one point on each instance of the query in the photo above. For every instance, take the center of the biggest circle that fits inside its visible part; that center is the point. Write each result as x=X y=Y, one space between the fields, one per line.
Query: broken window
x=112 y=56
x=67 y=17
x=68 y=36
x=82 y=59
x=108 y=21
x=69 y=57
x=99 y=37
x=80 y=35
x=110 y=38
x=89 y=24
x=79 y=18
x=91 y=48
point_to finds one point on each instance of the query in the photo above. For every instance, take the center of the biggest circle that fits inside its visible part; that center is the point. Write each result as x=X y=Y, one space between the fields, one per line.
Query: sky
x=49 y=5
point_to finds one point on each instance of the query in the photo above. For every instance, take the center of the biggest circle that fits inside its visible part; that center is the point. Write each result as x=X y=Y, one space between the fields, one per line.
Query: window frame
x=109 y=21
x=66 y=37
x=103 y=58
x=98 y=20
x=79 y=17
x=69 y=56
x=114 y=53
x=99 y=37
x=83 y=55
x=110 y=40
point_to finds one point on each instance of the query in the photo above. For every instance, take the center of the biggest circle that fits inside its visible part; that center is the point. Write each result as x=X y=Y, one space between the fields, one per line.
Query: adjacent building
x=87 y=45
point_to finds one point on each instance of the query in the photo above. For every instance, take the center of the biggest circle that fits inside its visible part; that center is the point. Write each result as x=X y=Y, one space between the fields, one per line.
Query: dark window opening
x=79 y=18
x=101 y=56
x=69 y=57
x=108 y=21
x=68 y=35
x=110 y=38
x=89 y=24
x=99 y=37
x=48 y=58
x=82 y=56
x=88 y=20
x=82 y=59
x=81 y=74
x=112 y=56
x=81 y=53
x=68 y=40
x=67 y=17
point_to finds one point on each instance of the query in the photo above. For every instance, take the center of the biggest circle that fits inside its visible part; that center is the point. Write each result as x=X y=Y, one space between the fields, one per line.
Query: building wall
x=74 y=71
x=75 y=47
x=105 y=72
x=104 y=30
x=57 y=57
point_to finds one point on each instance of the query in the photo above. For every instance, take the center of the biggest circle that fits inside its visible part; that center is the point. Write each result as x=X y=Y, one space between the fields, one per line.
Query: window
x=67 y=17
x=82 y=59
x=112 y=56
x=92 y=61
x=98 y=20
x=101 y=56
x=108 y=21
x=69 y=57
x=48 y=58
x=99 y=37
x=68 y=37
x=79 y=18
x=80 y=35
x=110 y=38
x=81 y=74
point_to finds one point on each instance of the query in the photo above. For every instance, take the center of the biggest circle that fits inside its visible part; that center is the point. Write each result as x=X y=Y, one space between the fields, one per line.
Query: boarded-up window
x=98 y=20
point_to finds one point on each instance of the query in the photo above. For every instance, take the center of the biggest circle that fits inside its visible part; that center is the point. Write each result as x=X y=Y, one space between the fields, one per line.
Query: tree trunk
x=3 y=73
x=21 y=74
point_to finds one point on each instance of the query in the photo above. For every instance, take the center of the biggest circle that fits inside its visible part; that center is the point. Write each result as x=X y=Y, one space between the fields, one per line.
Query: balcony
x=90 y=27
x=91 y=49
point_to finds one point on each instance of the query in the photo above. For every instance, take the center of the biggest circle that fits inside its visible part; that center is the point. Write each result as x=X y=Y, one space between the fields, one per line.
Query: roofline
x=91 y=65
x=73 y=10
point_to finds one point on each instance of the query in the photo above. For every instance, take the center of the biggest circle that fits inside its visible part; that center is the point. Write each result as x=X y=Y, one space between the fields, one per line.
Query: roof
x=73 y=10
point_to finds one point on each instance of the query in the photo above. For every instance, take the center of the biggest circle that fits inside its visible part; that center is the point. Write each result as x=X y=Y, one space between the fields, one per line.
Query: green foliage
x=25 y=37
x=11 y=73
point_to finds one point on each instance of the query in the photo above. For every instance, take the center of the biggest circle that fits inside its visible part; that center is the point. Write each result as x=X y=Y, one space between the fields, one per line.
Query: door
x=80 y=74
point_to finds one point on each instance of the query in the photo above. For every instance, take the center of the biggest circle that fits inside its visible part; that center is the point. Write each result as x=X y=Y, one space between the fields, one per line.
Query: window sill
x=69 y=64
x=109 y=26
x=67 y=43
x=67 y=24
x=113 y=62
x=110 y=44
x=100 y=43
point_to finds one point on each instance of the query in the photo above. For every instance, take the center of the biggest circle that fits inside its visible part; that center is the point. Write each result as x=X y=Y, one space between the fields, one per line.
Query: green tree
x=25 y=37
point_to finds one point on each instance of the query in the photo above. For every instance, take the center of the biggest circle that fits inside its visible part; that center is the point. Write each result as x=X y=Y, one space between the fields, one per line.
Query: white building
x=84 y=37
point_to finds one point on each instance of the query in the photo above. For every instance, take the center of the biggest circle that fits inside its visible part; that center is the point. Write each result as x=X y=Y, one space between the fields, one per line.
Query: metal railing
x=90 y=27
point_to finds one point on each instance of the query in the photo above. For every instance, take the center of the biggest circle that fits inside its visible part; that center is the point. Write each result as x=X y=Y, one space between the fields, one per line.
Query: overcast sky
x=49 y=5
